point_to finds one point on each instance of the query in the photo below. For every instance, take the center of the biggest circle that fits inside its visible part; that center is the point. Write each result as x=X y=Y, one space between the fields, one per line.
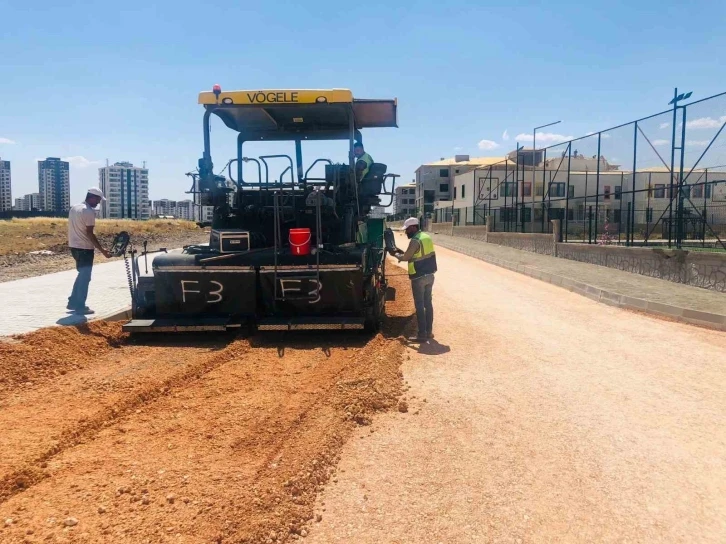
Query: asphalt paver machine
x=287 y=252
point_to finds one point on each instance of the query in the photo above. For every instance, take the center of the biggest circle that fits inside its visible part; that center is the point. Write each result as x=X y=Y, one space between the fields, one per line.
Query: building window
x=444 y=173
x=616 y=216
x=698 y=191
x=708 y=190
x=538 y=189
x=454 y=192
x=571 y=192
x=557 y=190
x=606 y=192
x=457 y=170
x=659 y=190
x=526 y=215
x=618 y=192
x=527 y=188
x=444 y=188
x=508 y=188
x=463 y=191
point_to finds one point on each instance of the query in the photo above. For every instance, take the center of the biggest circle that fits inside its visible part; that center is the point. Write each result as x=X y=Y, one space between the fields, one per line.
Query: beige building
x=405 y=199
x=500 y=188
x=434 y=180
x=28 y=203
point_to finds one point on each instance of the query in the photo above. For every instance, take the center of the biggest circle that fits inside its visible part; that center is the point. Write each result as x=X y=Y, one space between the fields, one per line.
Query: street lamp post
x=679 y=201
x=534 y=165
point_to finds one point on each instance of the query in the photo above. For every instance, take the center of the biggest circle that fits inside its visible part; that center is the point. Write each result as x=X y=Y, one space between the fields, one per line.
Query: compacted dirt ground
x=539 y=415
x=183 y=439
x=36 y=246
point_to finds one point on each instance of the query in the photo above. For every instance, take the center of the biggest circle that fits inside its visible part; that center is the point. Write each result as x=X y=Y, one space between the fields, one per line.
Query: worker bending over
x=421 y=259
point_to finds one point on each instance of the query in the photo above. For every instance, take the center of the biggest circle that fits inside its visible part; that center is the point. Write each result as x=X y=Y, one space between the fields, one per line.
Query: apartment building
x=126 y=188
x=54 y=185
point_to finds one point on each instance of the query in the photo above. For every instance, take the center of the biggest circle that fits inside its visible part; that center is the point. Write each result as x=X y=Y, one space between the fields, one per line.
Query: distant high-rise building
x=185 y=210
x=6 y=198
x=54 y=185
x=164 y=207
x=126 y=188
x=28 y=203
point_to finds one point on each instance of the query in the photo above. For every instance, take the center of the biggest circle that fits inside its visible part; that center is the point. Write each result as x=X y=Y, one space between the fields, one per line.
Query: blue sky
x=98 y=80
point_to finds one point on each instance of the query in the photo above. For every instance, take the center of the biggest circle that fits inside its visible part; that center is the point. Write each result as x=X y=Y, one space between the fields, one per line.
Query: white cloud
x=661 y=142
x=79 y=161
x=457 y=148
x=706 y=122
x=544 y=137
x=664 y=125
x=487 y=145
x=604 y=134
x=505 y=135
x=6 y=141
x=698 y=143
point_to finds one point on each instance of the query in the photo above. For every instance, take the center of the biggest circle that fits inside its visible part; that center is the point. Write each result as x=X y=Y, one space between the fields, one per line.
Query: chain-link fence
x=657 y=180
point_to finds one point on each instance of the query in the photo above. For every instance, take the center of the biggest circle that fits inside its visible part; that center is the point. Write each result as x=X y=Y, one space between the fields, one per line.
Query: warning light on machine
x=216 y=89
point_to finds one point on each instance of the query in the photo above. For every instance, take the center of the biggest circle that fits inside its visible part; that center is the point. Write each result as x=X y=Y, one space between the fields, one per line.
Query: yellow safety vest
x=424 y=260
x=366 y=158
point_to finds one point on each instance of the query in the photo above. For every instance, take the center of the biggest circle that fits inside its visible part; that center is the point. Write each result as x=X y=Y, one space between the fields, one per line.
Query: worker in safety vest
x=363 y=161
x=421 y=259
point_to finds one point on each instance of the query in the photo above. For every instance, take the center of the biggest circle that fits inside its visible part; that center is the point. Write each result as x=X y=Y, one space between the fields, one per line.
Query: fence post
x=589 y=228
x=628 y=226
x=490 y=226
x=556 y=233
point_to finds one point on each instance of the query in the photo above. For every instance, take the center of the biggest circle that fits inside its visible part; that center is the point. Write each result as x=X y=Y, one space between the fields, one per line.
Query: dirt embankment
x=31 y=247
x=183 y=439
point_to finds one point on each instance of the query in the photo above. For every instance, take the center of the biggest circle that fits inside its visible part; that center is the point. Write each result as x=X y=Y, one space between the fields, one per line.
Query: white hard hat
x=96 y=192
x=410 y=222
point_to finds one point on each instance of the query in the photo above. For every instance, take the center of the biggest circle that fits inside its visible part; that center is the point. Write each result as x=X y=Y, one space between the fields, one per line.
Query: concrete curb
x=597 y=294
x=119 y=315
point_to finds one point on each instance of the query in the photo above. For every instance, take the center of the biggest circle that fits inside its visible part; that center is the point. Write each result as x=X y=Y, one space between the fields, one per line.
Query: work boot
x=430 y=336
x=417 y=339
x=84 y=311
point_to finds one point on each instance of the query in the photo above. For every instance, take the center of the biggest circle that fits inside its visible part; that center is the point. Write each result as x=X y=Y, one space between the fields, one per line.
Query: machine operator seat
x=372 y=183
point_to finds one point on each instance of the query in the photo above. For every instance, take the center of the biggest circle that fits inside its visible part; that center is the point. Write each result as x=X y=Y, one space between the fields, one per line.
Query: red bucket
x=300 y=241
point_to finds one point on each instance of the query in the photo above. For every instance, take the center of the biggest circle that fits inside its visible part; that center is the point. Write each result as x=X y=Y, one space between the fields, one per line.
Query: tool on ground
x=293 y=245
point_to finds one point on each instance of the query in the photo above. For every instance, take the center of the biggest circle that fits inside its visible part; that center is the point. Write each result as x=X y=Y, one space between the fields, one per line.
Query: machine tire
x=375 y=313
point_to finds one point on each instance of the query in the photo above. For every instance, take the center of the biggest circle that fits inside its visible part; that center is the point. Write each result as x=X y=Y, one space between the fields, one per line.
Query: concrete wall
x=700 y=269
x=706 y=270
x=536 y=243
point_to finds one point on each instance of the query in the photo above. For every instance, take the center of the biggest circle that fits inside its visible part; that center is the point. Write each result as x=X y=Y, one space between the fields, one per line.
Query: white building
x=54 y=185
x=163 y=207
x=405 y=200
x=28 y=203
x=185 y=210
x=126 y=188
x=6 y=198
x=498 y=188
x=434 y=180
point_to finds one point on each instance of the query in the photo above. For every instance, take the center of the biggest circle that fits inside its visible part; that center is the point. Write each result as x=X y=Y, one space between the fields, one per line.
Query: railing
x=657 y=180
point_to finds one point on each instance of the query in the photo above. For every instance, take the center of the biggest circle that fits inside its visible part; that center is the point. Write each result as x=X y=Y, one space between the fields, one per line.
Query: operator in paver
x=363 y=161
x=421 y=259
x=82 y=241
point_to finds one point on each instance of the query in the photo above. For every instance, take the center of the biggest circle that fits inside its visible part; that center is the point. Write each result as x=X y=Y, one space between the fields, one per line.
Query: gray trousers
x=422 y=288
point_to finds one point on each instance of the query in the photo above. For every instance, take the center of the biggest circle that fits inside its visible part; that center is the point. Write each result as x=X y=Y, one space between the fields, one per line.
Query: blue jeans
x=422 y=288
x=84 y=265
